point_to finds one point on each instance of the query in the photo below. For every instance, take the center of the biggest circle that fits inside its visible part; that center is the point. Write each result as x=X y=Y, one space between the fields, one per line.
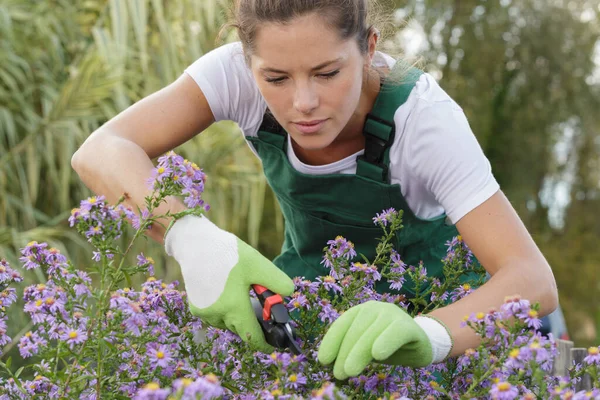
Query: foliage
x=120 y=343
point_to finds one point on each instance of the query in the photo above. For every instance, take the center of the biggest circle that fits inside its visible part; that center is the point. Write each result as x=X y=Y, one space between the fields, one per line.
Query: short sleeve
x=228 y=85
x=445 y=156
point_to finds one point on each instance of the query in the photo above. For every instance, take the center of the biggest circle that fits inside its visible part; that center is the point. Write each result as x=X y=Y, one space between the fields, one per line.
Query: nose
x=306 y=98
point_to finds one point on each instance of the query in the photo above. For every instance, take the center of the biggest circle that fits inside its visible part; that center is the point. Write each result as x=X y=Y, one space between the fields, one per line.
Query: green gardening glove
x=218 y=270
x=374 y=331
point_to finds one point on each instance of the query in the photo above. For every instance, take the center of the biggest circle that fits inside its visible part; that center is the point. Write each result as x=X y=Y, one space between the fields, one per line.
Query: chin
x=316 y=142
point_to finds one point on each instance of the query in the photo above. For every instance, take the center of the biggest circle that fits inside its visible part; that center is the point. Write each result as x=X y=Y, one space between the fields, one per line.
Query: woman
x=337 y=146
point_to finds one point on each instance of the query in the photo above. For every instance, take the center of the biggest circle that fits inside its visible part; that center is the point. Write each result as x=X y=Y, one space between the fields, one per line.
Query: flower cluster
x=8 y=296
x=174 y=175
x=109 y=339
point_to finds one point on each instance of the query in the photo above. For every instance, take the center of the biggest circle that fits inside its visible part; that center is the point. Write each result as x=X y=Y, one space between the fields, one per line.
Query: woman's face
x=310 y=79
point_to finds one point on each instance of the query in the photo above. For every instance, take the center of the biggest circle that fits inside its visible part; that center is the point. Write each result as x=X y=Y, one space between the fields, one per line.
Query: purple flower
x=463 y=290
x=298 y=301
x=385 y=217
x=159 y=355
x=530 y=317
x=368 y=270
x=328 y=313
x=204 y=387
x=593 y=356
x=152 y=391
x=295 y=381
x=74 y=336
x=504 y=391
x=144 y=261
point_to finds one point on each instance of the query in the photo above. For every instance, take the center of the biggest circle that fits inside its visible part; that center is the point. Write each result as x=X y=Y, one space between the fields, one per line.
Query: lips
x=308 y=127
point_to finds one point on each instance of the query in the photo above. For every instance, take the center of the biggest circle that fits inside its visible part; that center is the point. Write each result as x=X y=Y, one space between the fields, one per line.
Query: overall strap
x=270 y=131
x=380 y=128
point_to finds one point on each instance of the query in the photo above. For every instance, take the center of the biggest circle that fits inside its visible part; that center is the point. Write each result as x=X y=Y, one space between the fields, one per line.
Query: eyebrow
x=322 y=65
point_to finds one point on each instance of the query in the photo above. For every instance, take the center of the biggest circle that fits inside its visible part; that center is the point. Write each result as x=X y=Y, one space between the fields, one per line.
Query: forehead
x=302 y=43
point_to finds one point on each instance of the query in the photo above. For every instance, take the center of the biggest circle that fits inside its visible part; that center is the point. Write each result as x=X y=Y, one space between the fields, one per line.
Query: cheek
x=348 y=94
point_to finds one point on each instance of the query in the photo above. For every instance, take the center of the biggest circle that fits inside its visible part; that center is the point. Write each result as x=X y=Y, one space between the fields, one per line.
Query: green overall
x=318 y=208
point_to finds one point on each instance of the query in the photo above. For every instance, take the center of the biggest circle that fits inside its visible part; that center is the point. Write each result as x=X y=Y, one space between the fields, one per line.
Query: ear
x=372 y=44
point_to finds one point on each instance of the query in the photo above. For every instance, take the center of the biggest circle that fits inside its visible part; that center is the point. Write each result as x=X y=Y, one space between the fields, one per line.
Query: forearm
x=531 y=283
x=113 y=167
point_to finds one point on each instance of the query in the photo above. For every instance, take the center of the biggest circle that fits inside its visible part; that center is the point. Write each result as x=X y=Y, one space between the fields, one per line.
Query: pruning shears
x=274 y=319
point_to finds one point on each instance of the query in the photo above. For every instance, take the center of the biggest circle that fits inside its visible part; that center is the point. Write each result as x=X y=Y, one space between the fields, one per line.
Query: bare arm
x=116 y=158
x=501 y=243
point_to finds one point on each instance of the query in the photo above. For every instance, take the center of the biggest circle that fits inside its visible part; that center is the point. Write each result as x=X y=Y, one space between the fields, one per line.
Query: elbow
x=551 y=303
x=549 y=293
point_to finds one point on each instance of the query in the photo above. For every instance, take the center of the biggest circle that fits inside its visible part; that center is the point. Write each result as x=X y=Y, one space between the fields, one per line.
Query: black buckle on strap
x=375 y=147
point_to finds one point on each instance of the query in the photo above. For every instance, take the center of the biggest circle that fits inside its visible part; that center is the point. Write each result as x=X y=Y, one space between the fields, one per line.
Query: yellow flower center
x=466 y=287
x=534 y=345
x=293 y=378
x=151 y=279
x=504 y=386
x=161 y=170
x=50 y=301
x=38 y=303
x=514 y=353
x=532 y=314
x=160 y=355
x=28 y=334
x=592 y=351
x=31 y=243
x=276 y=392
x=152 y=386
x=186 y=382
x=40 y=287
x=38 y=378
x=480 y=315
x=72 y=334
x=212 y=378
x=93 y=200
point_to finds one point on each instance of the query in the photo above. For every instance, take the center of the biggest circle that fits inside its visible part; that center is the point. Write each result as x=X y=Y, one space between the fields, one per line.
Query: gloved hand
x=218 y=269
x=385 y=333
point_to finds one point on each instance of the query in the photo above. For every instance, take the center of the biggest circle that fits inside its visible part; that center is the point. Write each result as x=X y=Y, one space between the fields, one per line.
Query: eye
x=275 y=81
x=329 y=75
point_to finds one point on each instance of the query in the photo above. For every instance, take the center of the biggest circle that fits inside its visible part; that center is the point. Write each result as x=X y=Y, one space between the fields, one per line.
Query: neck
x=351 y=139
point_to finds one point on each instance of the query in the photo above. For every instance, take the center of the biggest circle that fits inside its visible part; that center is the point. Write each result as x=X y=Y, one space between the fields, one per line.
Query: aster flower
x=504 y=391
x=159 y=355
x=152 y=391
x=593 y=356
x=74 y=336
x=385 y=217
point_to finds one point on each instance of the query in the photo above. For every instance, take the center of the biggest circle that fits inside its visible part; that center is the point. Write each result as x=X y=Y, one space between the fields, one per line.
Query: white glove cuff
x=185 y=227
x=441 y=341
x=206 y=255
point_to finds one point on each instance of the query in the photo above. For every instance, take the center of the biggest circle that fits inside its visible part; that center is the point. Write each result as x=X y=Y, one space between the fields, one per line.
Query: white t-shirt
x=435 y=157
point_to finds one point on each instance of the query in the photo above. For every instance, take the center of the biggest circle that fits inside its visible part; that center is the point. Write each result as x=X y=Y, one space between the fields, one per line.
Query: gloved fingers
x=207 y=317
x=363 y=321
x=254 y=268
x=391 y=340
x=361 y=353
x=247 y=327
x=274 y=279
x=330 y=345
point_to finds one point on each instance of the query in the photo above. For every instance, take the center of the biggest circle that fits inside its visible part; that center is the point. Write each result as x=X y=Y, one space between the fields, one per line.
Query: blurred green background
x=526 y=73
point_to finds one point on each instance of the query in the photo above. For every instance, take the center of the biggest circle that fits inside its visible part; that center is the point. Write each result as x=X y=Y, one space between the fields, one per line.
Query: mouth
x=308 y=127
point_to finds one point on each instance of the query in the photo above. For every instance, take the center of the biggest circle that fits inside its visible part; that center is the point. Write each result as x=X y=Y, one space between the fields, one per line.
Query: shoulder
x=228 y=85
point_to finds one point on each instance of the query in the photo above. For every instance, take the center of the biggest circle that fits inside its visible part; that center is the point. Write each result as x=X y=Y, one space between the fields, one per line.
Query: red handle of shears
x=267 y=299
